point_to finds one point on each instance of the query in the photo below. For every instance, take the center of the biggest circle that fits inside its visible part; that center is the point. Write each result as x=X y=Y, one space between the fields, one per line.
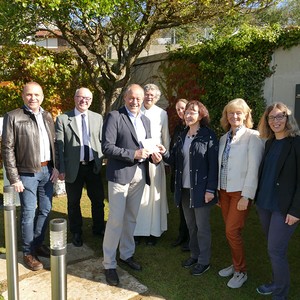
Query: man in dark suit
x=78 y=134
x=127 y=173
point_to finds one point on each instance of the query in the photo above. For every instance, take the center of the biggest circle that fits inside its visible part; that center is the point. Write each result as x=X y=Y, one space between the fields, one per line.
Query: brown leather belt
x=44 y=163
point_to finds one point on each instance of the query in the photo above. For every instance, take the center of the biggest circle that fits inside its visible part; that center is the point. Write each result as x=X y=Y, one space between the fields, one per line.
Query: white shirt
x=78 y=119
x=45 y=153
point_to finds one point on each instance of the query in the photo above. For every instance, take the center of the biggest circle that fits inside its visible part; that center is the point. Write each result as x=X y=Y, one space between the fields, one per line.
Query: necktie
x=85 y=139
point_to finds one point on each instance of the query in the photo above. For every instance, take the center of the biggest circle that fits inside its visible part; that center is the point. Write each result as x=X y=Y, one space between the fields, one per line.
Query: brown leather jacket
x=20 y=142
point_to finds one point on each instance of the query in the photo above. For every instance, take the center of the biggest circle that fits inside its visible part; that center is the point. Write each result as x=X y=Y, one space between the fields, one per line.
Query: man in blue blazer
x=78 y=134
x=126 y=172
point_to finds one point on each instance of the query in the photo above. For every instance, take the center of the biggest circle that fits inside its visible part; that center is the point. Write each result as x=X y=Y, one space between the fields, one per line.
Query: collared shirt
x=45 y=152
x=138 y=125
x=78 y=119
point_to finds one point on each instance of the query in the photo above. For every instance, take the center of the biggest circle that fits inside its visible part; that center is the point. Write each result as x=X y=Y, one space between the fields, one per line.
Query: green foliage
x=231 y=66
x=60 y=74
x=93 y=28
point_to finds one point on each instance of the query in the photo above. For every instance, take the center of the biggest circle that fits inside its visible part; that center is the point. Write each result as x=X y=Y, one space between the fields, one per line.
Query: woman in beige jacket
x=240 y=153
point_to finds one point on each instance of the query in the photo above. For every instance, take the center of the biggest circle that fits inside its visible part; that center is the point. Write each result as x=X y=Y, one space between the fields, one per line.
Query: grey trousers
x=124 y=203
x=198 y=223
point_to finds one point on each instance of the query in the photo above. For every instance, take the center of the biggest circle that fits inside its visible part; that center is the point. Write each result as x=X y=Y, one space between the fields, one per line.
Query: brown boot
x=32 y=262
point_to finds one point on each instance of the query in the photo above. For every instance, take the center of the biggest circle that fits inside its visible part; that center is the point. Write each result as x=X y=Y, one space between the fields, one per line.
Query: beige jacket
x=243 y=162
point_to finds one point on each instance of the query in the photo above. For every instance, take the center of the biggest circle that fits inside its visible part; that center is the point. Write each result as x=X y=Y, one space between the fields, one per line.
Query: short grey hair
x=153 y=87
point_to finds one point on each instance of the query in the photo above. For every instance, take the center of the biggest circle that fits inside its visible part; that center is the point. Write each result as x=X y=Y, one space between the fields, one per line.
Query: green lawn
x=162 y=272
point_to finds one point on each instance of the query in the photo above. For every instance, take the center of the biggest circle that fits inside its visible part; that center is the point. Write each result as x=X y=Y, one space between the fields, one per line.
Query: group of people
x=245 y=166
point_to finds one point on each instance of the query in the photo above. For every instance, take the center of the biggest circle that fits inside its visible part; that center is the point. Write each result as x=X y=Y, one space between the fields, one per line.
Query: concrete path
x=85 y=279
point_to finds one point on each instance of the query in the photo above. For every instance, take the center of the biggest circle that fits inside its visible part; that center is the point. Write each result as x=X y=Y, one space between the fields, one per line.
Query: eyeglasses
x=84 y=98
x=191 y=113
x=277 y=118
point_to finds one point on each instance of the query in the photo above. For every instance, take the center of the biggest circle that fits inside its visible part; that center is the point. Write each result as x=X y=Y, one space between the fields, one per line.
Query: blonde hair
x=182 y=100
x=234 y=104
x=291 y=126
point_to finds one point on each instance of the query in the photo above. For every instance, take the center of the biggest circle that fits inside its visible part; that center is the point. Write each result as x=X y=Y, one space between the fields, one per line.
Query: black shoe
x=199 y=269
x=151 y=240
x=77 y=240
x=111 y=276
x=189 y=262
x=43 y=251
x=131 y=263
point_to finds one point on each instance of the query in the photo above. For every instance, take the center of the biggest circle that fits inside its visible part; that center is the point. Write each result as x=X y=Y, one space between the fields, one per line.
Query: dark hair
x=203 y=112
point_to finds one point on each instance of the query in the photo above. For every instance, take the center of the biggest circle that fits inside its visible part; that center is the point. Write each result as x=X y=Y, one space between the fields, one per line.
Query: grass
x=162 y=272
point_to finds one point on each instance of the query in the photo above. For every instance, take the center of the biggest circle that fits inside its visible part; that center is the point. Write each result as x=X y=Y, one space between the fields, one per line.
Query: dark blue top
x=267 y=198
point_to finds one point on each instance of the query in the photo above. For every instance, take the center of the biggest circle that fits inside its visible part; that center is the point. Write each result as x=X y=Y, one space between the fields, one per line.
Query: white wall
x=281 y=86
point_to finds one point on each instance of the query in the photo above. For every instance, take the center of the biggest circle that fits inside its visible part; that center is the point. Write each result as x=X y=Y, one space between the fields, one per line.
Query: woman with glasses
x=278 y=194
x=240 y=154
x=195 y=160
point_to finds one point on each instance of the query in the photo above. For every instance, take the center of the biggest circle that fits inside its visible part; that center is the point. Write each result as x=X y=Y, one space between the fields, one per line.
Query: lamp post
x=11 y=242
x=58 y=246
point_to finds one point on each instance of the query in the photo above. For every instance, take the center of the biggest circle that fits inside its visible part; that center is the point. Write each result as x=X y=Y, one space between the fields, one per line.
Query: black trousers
x=93 y=182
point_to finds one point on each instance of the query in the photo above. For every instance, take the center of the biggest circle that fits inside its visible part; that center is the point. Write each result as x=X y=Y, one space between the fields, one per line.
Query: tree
x=91 y=27
x=58 y=73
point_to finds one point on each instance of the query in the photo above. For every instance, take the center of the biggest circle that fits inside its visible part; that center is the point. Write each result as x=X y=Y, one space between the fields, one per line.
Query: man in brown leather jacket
x=29 y=159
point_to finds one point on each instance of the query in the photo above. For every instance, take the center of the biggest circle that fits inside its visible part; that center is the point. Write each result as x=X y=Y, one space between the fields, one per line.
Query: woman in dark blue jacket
x=195 y=159
x=278 y=193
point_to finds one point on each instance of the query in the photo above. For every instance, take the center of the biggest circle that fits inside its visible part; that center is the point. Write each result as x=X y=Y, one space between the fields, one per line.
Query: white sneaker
x=227 y=271
x=237 y=280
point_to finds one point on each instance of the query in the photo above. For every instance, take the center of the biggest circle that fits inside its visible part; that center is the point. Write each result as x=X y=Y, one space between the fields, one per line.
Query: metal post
x=58 y=246
x=11 y=242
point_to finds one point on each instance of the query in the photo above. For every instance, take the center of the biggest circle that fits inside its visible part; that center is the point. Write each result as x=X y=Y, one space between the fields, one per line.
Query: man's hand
x=54 y=175
x=19 y=187
x=141 y=154
x=61 y=176
x=156 y=157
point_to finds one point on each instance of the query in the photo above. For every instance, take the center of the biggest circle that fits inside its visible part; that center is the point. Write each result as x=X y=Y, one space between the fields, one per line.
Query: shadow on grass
x=162 y=272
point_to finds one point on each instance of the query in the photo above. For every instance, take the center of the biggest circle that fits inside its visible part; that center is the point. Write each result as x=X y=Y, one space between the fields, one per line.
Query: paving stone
x=85 y=279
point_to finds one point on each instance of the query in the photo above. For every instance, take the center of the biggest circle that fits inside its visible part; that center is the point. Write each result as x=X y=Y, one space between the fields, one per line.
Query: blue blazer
x=119 y=143
x=287 y=177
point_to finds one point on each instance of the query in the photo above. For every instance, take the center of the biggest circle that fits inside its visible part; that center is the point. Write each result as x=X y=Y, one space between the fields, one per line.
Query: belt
x=44 y=163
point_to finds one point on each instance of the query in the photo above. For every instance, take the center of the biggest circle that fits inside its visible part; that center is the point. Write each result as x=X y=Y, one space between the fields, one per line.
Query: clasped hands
x=144 y=153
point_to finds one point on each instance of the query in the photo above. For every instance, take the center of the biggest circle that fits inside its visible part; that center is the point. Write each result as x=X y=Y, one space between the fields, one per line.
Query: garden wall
x=279 y=87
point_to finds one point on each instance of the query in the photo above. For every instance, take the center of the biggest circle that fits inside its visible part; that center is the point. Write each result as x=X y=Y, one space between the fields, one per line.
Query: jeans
x=36 y=203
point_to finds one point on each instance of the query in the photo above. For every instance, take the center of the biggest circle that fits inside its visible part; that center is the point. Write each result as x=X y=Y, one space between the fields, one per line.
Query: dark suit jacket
x=68 y=142
x=287 y=178
x=119 y=143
